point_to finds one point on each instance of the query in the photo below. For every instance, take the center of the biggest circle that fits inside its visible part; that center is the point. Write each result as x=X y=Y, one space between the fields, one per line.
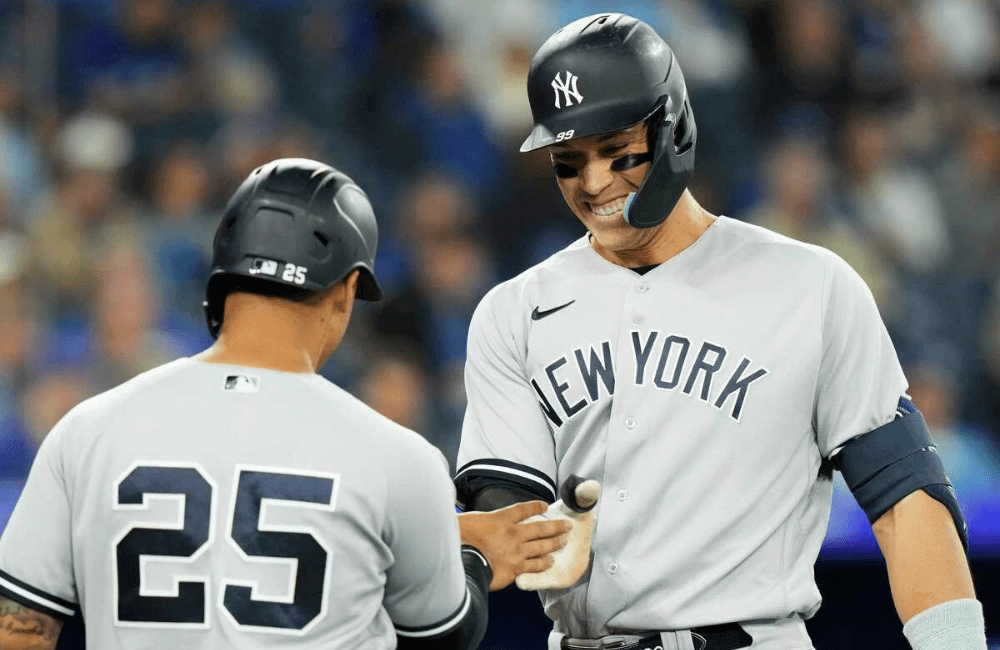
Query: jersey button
x=639 y=320
x=630 y=422
x=622 y=495
x=613 y=568
x=642 y=287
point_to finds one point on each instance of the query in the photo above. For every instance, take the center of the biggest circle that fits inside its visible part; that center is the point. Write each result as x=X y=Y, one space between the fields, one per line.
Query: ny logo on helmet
x=568 y=89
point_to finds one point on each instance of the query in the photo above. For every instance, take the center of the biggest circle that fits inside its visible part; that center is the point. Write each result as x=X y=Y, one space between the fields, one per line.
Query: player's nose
x=595 y=176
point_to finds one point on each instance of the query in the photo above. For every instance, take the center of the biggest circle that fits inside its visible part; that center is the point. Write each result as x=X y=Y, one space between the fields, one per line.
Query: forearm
x=22 y=628
x=923 y=555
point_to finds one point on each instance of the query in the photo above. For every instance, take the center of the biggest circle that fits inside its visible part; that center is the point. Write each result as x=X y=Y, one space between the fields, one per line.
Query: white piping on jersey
x=508 y=470
x=36 y=598
x=443 y=627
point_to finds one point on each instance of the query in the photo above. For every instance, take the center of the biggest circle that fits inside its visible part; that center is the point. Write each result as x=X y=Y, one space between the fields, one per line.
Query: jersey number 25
x=186 y=603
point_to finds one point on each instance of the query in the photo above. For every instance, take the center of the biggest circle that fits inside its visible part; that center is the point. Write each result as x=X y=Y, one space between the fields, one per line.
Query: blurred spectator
x=125 y=323
x=50 y=397
x=18 y=322
x=133 y=67
x=22 y=174
x=436 y=206
x=17 y=450
x=88 y=203
x=986 y=391
x=923 y=108
x=295 y=139
x=971 y=189
x=238 y=81
x=330 y=55
x=236 y=150
x=897 y=203
x=181 y=229
x=715 y=50
x=449 y=271
x=530 y=221
x=22 y=336
x=433 y=206
x=875 y=61
x=968 y=32
x=494 y=43
x=971 y=455
x=806 y=85
x=567 y=11
x=432 y=313
x=435 y=110
x=400 y=33
x=396 y=384
x=799 y=203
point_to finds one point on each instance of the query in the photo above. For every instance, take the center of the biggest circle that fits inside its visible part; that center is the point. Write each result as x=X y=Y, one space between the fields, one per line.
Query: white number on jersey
x=182 y=542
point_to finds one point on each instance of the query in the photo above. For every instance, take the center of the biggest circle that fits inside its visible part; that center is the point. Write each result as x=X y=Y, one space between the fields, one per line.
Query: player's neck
x=265 y=334
x=256 y=355
x=686 y=223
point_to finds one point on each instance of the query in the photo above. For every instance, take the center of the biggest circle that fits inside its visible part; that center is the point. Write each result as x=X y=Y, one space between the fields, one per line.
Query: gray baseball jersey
x=212 y=506
x=704 y=396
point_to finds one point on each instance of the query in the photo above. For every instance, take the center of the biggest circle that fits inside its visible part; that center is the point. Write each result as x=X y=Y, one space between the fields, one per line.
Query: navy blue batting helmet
x=608 y=72
x=297 y=223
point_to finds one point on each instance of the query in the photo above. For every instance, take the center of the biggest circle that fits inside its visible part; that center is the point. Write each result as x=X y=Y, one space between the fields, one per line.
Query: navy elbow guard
x=490 y=484
x=894 y=460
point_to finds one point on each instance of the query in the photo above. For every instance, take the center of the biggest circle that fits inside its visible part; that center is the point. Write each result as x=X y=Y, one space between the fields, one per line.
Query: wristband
x=469 y=550
x=954 y=625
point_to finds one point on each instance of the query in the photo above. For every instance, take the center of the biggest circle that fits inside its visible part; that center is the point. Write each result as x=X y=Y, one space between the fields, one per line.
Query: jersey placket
x=627 y=430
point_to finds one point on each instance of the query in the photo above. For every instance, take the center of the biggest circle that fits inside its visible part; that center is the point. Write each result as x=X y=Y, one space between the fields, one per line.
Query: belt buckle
x=611 y=642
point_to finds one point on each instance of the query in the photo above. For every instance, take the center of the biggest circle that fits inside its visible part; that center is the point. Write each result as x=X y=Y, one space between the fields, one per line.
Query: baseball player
x=236 y=499
x=708 y=374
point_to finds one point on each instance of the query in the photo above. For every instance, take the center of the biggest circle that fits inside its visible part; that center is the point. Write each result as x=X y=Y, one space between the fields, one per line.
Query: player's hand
x=577 y=505
x=510 y=546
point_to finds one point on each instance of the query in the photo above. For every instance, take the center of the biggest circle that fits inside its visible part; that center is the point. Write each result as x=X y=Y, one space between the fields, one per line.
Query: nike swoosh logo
x=539 y=315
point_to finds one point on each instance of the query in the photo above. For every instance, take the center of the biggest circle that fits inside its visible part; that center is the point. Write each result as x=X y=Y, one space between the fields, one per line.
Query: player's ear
x=352 y=283
x=344 y=291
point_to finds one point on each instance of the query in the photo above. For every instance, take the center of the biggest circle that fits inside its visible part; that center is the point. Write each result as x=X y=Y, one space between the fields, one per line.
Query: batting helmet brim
x=593 y=121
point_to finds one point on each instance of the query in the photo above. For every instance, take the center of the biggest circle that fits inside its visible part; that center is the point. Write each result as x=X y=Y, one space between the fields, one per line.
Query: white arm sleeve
x=860 y=379
x=425 y=589
x=505 y=432
x=36 y=558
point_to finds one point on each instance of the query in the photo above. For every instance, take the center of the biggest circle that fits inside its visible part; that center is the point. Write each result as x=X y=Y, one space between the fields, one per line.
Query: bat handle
x=568 y=494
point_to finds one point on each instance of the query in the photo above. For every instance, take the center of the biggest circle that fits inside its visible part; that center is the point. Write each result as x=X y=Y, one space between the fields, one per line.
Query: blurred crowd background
x=871 y=127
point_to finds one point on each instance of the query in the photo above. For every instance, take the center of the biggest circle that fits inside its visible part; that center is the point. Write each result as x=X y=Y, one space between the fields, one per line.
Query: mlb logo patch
x=261 y=266
x=242 y=383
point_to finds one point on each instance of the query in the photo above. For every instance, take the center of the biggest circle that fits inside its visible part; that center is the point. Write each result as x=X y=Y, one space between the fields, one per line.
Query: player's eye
x=564 y=171
x=630 y=161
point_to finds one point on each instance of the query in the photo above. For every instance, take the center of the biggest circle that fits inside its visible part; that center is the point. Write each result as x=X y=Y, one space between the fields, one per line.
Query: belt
x=728 y=636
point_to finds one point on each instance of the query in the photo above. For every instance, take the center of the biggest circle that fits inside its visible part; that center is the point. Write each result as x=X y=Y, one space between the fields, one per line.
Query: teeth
x=609 y=208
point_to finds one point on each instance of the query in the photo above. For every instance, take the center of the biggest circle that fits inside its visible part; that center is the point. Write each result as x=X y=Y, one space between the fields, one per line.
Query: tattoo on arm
x=22 y=628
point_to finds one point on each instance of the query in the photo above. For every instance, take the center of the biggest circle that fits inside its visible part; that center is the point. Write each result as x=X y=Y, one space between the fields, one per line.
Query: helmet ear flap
x=672 y=137
x=681 y=124
x=655 y=124
x=684 y=130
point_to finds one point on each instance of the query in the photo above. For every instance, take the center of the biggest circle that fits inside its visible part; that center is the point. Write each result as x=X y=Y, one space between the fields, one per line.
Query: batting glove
x=579 y=496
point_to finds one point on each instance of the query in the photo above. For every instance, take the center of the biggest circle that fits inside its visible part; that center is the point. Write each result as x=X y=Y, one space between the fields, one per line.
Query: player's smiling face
x=596 y=174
